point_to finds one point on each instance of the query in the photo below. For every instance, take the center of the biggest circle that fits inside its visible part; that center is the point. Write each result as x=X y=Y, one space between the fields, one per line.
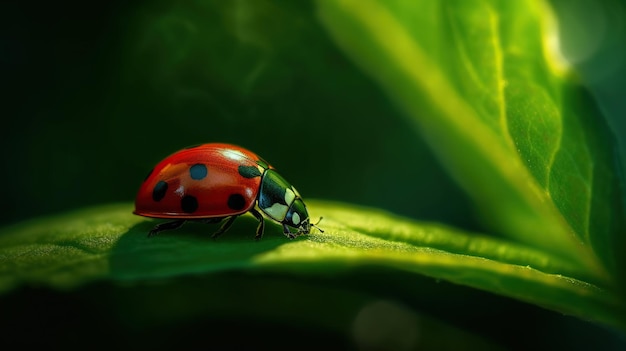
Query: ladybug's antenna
x=315 y=224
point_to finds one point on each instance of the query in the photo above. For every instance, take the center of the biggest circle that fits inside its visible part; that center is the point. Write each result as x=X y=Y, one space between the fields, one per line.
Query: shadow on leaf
x=190 y=249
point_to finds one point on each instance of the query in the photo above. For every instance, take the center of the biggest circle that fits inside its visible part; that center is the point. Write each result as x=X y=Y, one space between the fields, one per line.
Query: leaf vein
x=462 y=50
x=494 y=21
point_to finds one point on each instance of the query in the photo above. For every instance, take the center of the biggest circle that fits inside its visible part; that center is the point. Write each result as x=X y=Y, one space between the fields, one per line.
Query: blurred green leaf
x=108 y=243
x=482 y=81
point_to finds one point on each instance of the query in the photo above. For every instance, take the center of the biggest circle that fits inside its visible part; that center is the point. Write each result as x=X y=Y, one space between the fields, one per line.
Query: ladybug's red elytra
x=212 y=182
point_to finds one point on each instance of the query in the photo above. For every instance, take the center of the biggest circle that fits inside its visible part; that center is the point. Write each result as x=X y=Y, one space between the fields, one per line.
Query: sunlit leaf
x=482 y=81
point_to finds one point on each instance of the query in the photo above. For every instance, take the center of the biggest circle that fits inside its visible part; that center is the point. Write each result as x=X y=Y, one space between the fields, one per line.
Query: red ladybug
x=213 y=182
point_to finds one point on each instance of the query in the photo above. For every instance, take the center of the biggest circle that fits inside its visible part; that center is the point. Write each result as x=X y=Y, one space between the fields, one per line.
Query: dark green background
x=96 y=93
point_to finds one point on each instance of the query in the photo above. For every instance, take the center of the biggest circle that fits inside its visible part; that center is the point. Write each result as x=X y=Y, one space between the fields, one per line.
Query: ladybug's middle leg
x=261 y=227
x=224 y=227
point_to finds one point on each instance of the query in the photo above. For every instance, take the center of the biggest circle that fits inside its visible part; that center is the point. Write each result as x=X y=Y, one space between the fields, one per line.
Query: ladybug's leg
x=224 y=227
x=261 y=228
x=166 y=226
x=288 y=232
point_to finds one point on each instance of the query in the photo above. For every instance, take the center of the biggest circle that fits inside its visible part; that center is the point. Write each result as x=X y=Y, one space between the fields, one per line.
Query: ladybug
x=213 y=182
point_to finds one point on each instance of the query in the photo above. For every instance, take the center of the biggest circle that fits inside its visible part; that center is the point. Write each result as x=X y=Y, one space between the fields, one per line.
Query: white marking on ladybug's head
x=295 y=218
x=276 y=211
x=289 y=196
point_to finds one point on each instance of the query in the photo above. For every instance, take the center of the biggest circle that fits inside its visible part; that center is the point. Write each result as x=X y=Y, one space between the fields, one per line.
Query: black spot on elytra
x=236 y=202
x=189 y=204
x=249 y=171
x=159 y=191
x=198 y=171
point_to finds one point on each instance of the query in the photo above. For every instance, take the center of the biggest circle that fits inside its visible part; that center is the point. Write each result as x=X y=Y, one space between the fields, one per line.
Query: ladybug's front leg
x=288 y=232
x=166 y=226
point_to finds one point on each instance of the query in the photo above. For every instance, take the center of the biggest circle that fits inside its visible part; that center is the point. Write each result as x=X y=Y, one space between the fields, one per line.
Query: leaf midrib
x=494 y=23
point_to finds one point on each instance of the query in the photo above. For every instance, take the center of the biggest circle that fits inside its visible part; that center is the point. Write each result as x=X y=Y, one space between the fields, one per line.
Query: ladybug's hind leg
x=231 y=219
x=166 y=226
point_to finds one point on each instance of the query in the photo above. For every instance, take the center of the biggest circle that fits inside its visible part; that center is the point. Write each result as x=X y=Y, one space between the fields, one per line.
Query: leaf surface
x=108 y=243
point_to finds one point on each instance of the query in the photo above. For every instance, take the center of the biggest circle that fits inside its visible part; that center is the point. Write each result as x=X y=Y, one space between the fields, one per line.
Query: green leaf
x=482 y=82
x=109 y=244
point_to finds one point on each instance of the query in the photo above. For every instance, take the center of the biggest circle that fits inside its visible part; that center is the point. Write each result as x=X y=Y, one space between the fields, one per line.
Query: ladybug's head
x=298 y=217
